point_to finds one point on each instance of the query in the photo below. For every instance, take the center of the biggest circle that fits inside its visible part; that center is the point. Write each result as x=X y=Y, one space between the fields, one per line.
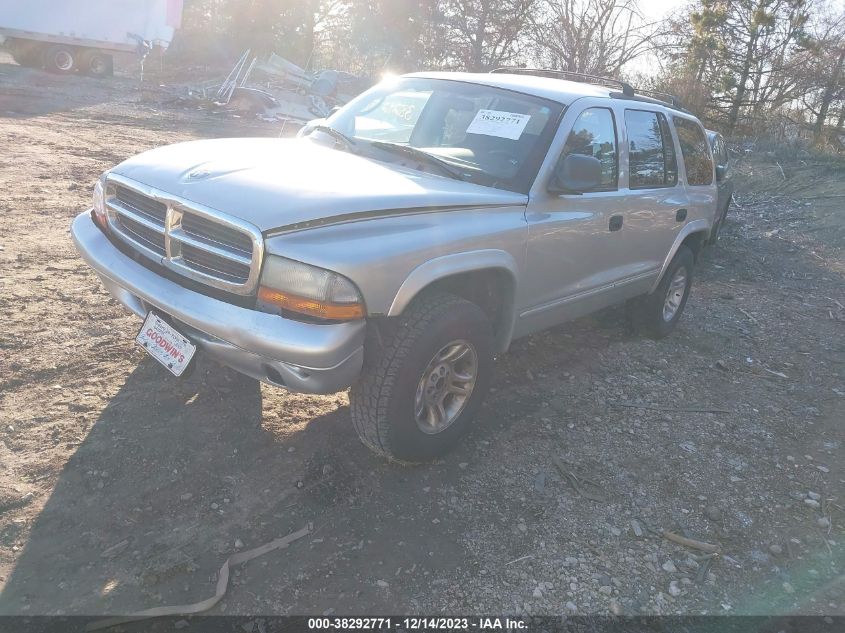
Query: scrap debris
x=275 y=89
x=222 y=585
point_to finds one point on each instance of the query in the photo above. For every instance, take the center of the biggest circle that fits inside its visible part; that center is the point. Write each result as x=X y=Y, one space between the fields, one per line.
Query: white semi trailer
x=66 y=36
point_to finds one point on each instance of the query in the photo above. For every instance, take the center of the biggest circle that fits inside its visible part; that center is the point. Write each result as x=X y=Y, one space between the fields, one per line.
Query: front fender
x=445 y=266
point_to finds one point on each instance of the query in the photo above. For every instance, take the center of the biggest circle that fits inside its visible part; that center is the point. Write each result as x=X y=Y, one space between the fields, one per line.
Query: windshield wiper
x=337 y=135
x=413 y=152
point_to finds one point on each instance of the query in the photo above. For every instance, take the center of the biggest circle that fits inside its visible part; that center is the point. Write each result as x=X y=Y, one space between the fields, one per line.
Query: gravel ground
x=121 y=489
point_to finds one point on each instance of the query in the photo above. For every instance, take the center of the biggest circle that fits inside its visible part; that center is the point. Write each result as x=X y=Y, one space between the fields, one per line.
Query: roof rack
x=665 y=97
x=628 y=90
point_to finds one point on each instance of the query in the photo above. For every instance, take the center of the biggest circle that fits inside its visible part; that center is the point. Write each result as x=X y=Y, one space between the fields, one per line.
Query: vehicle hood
x=279 y=183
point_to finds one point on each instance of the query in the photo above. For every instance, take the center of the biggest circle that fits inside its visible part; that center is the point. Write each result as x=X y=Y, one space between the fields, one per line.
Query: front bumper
x=304 y=357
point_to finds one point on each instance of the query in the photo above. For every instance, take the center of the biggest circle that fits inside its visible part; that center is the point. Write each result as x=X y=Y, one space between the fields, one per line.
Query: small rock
x=181 y=624
x=615 y=607
x=328 y=611
x=291 y=449
x=538 y=593
x=435 y=521
x=713 y=513
x=823 y=522
x=382 y=583
x=615 y=531
x=775 y=549
x=186 y=497
x=824 y=469
x=463 y=465
x=788 y=588
x=815 y=496
x=522 y=527
x=214 y=506
x=669 y=566
x=638 y=530
x=238 y=543
x=606 y=590
x=674 y=589
x=812 y=503
x=571 y=606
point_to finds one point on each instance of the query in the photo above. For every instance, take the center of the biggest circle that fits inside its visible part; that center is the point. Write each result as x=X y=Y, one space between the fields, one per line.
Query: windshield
x=491 y=136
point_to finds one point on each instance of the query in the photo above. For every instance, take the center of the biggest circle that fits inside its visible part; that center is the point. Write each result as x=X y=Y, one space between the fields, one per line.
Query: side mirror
x=721 y=172
x=576 y=173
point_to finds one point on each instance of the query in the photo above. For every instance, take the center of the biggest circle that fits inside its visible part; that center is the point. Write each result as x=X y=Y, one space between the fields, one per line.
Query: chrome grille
x=196 y=241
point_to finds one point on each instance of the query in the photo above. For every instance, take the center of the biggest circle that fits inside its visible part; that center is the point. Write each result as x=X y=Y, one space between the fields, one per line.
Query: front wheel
x=657 y=314
x=420 y=391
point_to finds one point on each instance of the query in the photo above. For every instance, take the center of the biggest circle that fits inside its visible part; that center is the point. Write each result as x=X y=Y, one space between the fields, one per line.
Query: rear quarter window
x=695 y=150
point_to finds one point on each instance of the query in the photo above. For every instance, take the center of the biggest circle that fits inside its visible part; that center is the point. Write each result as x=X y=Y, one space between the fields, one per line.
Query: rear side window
x=594 y=134
x=651 y=152
x=695 y=151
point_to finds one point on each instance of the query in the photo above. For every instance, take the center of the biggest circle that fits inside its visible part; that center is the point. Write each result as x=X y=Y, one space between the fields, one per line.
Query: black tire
x=647 y=313
x=60 y=59
x=383 y=400
x=96 y=63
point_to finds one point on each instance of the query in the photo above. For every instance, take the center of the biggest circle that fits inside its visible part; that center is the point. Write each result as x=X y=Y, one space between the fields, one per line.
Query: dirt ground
x=122 y=489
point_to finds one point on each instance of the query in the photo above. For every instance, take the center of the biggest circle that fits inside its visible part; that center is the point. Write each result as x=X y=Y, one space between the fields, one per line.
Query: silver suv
x=401 y=244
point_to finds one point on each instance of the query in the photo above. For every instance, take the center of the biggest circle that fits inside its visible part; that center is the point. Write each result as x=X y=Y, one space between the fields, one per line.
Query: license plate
x=164 y=343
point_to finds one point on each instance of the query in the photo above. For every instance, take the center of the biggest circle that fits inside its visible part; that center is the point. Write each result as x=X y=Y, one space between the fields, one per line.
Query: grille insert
x=138 y=202
x=215 y=265
x=147 y=236
x=216 y=233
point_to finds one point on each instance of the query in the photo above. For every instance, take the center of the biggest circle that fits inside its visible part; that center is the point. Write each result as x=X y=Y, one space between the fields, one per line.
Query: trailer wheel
x=96 y=63
x=60 y=59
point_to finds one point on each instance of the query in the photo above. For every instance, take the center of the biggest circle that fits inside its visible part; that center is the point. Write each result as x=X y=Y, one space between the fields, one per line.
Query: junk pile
x=276 y=89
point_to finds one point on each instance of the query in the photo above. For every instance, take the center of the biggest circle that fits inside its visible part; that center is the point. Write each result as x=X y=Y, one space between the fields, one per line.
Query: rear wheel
x=657 y=314
x=96 y=63
x=60 y=59
x=423 y=386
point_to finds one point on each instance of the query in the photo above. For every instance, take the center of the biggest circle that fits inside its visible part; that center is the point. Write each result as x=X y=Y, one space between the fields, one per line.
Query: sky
x=656 y=9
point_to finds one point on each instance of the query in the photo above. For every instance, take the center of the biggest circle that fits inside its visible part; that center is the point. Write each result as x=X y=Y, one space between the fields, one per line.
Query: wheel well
x=491 y=289
x=694 y=242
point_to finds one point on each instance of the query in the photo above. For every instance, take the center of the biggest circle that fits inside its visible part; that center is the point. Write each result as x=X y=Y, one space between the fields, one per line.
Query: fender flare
x=696 y=226
x=448 y=265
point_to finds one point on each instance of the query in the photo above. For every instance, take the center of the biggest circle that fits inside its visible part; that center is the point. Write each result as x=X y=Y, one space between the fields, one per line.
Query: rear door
x=699 y=170
x=656 y=201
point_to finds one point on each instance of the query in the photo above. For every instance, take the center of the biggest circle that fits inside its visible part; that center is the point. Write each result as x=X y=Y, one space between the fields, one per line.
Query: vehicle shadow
x=174 y=476
x=141 y=477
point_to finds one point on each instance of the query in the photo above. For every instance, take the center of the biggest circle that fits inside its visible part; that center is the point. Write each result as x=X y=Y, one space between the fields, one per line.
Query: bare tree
x=590 y=36
x=483 y=34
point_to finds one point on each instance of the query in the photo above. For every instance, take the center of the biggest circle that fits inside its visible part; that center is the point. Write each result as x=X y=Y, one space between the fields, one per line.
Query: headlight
x=296 y=287
x=99 y=203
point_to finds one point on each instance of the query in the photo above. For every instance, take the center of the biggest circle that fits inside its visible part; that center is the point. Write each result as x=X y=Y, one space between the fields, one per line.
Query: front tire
x=657 y=314
x=422 y=387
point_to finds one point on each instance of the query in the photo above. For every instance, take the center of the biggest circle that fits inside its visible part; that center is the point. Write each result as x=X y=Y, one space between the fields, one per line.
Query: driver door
x=576 y=244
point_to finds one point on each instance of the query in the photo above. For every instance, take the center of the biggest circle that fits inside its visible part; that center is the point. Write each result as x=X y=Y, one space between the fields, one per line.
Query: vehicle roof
x=552 y=88
x=560 y=90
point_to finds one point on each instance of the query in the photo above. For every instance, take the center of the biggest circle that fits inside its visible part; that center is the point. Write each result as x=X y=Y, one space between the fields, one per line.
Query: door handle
x=680 y=215
x=615 y=222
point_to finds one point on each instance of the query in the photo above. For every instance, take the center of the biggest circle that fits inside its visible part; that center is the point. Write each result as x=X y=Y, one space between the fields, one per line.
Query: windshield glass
x=492 y=136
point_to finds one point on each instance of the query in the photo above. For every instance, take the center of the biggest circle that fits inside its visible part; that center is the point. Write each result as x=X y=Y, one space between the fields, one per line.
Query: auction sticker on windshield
x=165 y=344
x=497 y=123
